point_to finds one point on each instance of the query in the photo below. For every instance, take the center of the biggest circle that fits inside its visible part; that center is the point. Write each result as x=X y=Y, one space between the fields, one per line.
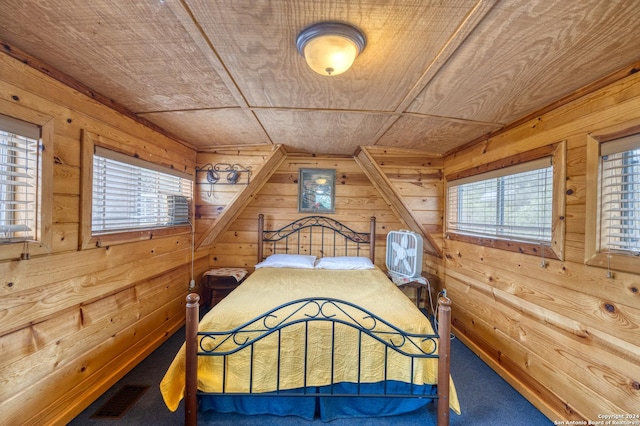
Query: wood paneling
x=210 y=128
x=433 y=76
x=96 y=28
x=432 y=133
x=285 y=79
x=321 y=131
x=565 y=335
x=356 y=202
x=499 y=97
x=229 y=211
x=75 y=321
x=385 y=178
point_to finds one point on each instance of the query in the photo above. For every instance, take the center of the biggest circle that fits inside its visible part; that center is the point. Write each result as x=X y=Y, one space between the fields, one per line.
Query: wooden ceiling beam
x=397 y=204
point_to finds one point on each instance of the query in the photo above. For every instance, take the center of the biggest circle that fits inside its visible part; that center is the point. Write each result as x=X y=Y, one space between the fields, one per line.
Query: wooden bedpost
x=444 y=361
x=372 y=240
x=260 y=236
x=191 y=354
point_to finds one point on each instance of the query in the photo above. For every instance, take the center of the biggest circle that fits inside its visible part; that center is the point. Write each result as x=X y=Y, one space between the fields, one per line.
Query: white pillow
x=345 y=262
x=299 y=261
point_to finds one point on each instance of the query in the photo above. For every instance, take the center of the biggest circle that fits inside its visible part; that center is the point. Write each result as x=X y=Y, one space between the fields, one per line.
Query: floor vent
x=120 y=403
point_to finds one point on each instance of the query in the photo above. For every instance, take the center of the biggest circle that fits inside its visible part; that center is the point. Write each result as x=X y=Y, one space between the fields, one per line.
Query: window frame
x=555 y=250
x=89 y=239
x=594 y=256
x=43 y=242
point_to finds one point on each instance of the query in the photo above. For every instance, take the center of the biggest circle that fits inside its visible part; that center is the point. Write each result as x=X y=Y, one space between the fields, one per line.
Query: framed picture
x=316 y=191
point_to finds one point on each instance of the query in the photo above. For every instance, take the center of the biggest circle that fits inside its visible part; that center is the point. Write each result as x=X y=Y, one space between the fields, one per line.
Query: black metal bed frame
x=304 y=311
x=288 y=239
x=335 y=312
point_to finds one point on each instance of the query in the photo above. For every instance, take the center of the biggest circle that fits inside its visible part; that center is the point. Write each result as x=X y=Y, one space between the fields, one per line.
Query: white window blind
x=513 y=203
x=620 y=195
x=19 y=174
x=131 y=194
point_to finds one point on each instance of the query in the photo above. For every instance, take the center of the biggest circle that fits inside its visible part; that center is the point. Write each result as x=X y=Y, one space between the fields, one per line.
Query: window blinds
x=620 y=195
x=18 y=180
x=513 y=203
x=131 y=194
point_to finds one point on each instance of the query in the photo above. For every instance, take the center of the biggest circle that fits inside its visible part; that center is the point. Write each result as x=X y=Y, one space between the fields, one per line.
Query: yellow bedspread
x=267 y=288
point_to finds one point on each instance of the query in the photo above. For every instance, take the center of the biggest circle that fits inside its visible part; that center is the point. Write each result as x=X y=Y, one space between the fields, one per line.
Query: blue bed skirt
x=327 y=408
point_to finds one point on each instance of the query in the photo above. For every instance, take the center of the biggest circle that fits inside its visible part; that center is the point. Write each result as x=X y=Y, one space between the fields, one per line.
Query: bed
x=317 y=331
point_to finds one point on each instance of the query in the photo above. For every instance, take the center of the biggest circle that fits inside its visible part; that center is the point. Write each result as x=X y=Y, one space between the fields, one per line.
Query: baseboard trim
x=541 y=398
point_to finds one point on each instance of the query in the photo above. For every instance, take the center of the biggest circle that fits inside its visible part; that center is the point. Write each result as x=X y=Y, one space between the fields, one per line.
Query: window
x=511 y=203
x=620 y=196
x=612 y=222
x=130 y=194
x=19 y=180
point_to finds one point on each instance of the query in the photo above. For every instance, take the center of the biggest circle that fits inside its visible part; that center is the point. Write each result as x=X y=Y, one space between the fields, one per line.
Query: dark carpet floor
x=485 y=398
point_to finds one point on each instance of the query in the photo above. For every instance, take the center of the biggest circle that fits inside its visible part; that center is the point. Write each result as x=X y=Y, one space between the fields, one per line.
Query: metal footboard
x=333 y=313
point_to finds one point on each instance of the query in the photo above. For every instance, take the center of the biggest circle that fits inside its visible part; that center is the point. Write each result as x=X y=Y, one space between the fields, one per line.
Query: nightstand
x=220 y=282
x=424 y=281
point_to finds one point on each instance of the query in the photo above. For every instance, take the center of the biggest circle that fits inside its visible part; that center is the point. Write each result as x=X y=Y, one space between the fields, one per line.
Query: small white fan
x=404 y=253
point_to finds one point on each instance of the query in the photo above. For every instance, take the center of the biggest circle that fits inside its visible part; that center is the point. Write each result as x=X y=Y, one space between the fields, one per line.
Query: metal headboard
x=326 y=236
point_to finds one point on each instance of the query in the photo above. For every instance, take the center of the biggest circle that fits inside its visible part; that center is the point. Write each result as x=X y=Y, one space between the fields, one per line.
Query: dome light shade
x=330 y=47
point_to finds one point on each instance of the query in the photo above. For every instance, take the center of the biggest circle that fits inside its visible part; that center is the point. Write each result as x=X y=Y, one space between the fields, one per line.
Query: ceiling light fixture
x=330 y=47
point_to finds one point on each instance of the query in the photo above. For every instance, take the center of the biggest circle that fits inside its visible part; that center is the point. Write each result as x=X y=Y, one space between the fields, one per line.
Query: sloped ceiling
x=434 y=75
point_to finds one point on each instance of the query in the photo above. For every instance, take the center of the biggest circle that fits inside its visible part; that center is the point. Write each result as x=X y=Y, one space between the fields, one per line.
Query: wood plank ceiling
x=434 y=75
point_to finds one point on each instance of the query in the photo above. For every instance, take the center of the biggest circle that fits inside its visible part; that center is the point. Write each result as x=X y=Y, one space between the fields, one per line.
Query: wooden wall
x=212 y=201
x=74 y=321
x=417 y=178
x=356 y=201
x=566 y=336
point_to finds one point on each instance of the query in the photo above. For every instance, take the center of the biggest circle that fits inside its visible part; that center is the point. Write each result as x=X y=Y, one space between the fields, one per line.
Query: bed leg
x=260 y=237
x=372 y=239
x=444 y=361
x=191 y=367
